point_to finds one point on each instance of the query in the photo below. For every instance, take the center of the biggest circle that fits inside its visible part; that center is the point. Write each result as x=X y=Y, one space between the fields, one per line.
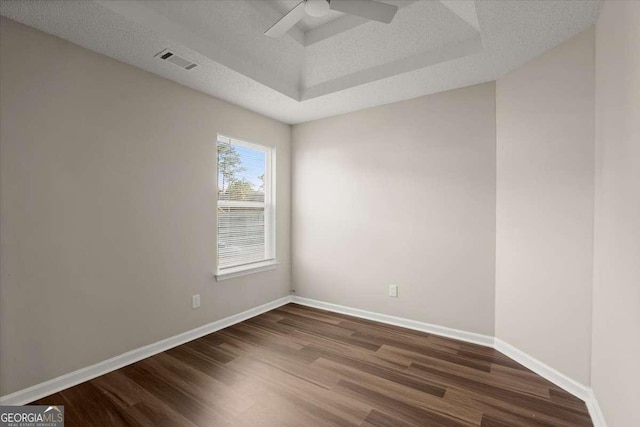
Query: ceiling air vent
x=170 y=56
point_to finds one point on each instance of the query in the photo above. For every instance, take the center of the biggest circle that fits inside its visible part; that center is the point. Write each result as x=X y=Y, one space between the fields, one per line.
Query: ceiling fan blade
x=369 y=9
x=285 y=23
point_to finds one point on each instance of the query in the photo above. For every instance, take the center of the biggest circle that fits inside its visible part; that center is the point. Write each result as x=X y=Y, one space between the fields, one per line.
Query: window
x=246 y=214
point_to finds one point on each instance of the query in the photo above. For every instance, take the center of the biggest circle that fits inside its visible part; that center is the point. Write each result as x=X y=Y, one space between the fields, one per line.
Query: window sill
x=230 y=273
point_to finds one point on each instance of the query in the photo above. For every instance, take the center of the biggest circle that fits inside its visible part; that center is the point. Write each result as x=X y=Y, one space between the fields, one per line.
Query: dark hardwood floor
x=297 y=366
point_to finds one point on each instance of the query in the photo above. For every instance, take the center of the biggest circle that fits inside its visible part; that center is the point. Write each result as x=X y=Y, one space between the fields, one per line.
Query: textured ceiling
x=322 y=67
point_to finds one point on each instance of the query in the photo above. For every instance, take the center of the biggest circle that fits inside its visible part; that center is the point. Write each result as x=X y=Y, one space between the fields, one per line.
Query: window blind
x=245 y=203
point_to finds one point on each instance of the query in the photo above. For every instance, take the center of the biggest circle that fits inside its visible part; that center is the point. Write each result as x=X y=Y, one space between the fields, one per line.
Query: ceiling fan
x=369 y=9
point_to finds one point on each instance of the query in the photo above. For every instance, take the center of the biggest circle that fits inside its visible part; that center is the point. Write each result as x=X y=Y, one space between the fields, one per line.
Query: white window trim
x=270 y=183
x=244 y=270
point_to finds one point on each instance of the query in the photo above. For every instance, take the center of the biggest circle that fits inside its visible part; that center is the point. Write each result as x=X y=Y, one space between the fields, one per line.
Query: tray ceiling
x=323 y=66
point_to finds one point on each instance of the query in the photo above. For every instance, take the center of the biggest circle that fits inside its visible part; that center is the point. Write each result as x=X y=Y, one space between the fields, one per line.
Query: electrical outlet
x=195 y=301
x=393 y=291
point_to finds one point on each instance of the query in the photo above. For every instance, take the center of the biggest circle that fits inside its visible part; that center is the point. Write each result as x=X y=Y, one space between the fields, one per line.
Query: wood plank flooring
x=298 y=366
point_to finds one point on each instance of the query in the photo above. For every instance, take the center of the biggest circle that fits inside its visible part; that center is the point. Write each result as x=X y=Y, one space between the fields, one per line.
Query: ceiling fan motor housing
x=316 y=8
x=367 y=9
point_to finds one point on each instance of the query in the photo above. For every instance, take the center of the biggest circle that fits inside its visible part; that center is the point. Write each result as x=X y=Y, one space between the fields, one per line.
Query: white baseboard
x=558 y=378
x=471 y=337
x=577 y=389
x=46 y=388
x=570 y=385
x=594 y=410
x=62 y=382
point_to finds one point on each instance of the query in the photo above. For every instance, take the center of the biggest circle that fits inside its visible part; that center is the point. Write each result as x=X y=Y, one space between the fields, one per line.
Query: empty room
x=320 y=213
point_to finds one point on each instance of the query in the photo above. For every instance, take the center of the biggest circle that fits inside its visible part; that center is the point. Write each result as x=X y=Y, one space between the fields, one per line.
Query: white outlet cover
x=393 y=291
x=195 y=301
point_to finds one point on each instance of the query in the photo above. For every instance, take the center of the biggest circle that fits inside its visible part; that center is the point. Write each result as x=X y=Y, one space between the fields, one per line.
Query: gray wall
x=544 y=213
x=405 y=194
x=615 y=371
x=108 y=208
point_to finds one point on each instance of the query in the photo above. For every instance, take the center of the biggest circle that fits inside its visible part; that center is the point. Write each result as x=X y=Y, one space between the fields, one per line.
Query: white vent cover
x=171 y=56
